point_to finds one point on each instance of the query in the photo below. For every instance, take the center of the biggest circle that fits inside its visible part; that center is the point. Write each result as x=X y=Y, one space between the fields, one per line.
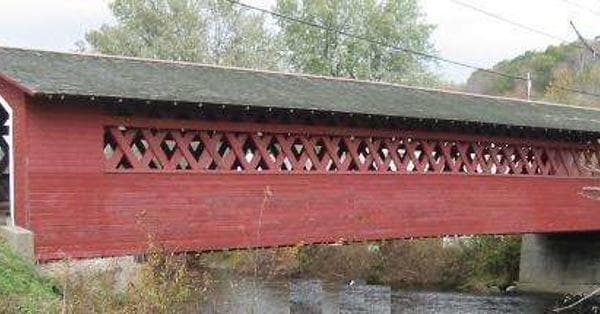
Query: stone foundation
x=125 y=268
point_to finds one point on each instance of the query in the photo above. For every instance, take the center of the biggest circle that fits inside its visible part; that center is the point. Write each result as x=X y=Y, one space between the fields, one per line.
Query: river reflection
x=246 y=295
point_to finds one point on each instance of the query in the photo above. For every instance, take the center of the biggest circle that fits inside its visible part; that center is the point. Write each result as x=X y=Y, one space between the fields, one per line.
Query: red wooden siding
x=79 y=207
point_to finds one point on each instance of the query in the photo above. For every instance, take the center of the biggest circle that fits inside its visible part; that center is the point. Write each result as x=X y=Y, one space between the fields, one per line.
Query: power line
x=582 y=7
x=511 y=22
x=374 y=41
x=583 y=41
x=404 y=49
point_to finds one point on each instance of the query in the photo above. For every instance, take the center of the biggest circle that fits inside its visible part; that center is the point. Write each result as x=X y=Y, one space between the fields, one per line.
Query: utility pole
x=528 y=85
x=584 y=42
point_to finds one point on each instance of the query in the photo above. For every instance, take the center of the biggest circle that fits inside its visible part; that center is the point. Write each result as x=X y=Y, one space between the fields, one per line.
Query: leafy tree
x=219 y=32
x=208 y=31
x=326 y=52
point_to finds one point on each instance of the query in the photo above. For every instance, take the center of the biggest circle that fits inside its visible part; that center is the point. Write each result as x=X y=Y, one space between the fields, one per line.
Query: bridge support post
x=560 y=263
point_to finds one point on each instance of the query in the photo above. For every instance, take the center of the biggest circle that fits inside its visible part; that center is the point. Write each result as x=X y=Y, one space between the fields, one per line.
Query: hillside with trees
x=554 y=71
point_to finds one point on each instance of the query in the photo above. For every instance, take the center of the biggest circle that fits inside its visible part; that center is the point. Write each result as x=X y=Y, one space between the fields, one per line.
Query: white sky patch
x=462 y=34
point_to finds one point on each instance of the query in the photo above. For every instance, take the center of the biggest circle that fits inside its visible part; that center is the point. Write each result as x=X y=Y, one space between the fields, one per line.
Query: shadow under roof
x=54 y=73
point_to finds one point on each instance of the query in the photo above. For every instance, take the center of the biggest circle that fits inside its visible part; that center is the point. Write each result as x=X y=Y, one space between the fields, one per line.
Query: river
x=246 y=295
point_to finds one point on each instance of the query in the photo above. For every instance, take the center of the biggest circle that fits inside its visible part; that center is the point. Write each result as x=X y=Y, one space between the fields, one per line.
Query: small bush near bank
x=491 y=261
x=409 y=263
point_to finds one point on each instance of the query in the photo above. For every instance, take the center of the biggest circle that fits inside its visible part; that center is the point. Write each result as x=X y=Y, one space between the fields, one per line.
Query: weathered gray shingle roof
x=50 y=73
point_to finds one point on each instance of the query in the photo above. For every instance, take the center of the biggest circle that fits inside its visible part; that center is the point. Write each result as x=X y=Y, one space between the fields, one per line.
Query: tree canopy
x=327 y=52
x=219 y=32
x=207 y=31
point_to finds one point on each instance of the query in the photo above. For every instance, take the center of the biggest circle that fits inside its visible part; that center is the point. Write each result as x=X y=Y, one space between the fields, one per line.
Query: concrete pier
x=560 y=263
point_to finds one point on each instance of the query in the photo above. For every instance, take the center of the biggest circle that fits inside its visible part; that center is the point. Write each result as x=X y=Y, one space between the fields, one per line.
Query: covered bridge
x=106 y=150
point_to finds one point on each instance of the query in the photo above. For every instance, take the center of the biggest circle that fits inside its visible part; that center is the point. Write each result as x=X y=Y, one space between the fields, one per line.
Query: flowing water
x=246 y=295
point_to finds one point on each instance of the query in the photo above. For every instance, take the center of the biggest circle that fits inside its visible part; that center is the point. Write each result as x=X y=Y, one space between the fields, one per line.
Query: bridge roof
x=54 y=73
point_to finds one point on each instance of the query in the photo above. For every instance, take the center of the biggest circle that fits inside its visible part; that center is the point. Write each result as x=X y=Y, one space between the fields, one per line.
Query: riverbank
x=167 y=282
x=477 y=264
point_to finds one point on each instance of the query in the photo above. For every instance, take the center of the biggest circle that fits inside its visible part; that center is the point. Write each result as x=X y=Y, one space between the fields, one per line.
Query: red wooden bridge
x=108 y=150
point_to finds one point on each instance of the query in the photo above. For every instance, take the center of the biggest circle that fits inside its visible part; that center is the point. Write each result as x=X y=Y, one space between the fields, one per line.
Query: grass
x=22 y=288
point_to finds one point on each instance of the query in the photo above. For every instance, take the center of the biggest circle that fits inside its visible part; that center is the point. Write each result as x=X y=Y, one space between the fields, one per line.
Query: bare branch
x=574 y=304
x=583 y=41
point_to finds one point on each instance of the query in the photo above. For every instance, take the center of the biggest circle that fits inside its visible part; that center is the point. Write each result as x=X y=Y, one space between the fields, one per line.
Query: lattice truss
x=144 y=149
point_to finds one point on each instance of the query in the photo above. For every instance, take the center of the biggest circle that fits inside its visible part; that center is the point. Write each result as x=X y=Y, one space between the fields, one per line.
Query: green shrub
x=492 y=260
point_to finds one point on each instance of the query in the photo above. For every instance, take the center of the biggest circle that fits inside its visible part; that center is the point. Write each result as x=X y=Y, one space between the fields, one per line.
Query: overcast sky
x=462 y=34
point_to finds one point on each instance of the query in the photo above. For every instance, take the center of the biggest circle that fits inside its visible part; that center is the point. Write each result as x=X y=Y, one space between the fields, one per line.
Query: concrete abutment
x=560 y=263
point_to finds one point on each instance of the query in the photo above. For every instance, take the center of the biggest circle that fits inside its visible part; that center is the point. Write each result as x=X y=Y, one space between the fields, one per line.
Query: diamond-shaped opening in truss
x=183 y=164
x=249 y=149
x=342 y=153
x=384 y=153
x=110 y=145
x=484 y=165
x=169 y=145
x=454 y=152
x=353 y=165
x=430 y=158
x=139 y=145
x=320 y=148
x=196 y=147
x=411 y=166
x=237 y=166
x=436 y=152
x=402 y=153
x=513 y=160
x=501 y=162
x=274 y=149
x=286 y=164
x=224 y=147
x=362 y=151
x=213 y=165
x=297 y=148
x=154 y=164
x=309 y=165
x=419 y=157
x=331 y=166
x=486 y=154
x=470 y=153
x=124 y=163
x=261 y=166
x=543 y=159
